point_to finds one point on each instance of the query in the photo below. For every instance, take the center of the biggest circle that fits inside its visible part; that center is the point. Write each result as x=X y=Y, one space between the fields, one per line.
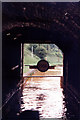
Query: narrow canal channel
x=44 y=94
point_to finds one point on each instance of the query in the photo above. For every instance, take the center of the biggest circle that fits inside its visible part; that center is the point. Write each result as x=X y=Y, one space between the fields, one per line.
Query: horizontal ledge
x=35 y=67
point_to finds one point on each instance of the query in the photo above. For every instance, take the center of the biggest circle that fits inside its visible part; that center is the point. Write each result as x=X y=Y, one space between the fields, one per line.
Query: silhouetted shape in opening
x=42 y=65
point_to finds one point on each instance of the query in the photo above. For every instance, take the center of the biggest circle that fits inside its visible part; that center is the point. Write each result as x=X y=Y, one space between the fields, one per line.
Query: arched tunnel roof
x=58 y=22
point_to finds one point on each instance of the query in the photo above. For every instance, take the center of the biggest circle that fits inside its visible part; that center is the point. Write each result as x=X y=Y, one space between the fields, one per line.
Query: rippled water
x=45 y=95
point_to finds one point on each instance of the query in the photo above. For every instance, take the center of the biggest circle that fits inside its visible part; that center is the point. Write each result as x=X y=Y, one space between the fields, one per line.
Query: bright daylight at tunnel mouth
x=43 y=91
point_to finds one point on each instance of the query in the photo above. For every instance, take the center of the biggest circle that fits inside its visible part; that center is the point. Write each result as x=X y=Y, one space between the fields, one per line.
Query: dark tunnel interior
x=62 y=29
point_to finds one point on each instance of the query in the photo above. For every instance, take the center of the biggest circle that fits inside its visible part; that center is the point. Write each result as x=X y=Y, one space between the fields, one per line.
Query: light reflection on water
x=45 y=95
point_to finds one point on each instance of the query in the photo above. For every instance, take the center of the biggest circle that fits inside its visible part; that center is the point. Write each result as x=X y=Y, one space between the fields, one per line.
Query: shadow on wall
x=29 y=115
x=25 y=115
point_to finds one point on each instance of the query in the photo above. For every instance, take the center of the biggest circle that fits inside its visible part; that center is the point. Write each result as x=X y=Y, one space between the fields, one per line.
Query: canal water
x=43 y=92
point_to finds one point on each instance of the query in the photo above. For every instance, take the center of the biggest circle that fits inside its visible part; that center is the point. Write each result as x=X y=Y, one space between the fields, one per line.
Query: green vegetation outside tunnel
x=35 y=52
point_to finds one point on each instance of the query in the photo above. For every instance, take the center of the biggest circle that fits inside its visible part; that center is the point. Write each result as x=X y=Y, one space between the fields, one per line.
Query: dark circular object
x=42 y=65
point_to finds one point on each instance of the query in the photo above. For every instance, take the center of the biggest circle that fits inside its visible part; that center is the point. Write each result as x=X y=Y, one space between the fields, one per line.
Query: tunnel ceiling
x=58 y=22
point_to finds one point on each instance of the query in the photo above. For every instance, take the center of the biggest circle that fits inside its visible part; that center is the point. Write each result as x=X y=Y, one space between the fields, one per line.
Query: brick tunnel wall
x=72 y=81
x=11 y=55
x=64 y=26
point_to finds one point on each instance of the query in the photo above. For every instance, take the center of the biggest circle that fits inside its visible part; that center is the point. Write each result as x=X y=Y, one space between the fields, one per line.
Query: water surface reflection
x=45 y=95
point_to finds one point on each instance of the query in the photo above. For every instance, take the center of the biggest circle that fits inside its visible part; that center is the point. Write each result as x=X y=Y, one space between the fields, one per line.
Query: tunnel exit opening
x=33 y=53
